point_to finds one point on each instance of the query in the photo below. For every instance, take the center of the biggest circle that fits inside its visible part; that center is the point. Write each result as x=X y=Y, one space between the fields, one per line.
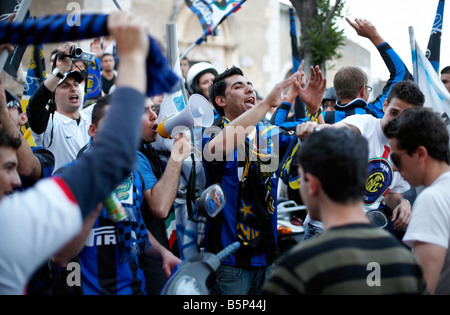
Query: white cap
x=197 y=69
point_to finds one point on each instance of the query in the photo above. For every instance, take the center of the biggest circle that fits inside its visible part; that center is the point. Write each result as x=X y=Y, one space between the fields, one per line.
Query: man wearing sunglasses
x=383 y=184
x=420 y=151
x=34 y=162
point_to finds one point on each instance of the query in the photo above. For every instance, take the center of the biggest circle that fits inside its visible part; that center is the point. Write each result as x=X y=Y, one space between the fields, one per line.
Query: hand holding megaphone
x=198 y=112
x=181 y=148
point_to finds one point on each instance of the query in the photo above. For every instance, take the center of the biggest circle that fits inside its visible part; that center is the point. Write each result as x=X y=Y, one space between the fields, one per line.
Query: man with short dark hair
x=107 y=63
x=383 y=184
x=445 y=77
x=63 y=129
x=52 y=212
x=420 y=151
x=351 y=256
x=121 y=258
x=34 y=163
x=8 y=161
x=246 y=161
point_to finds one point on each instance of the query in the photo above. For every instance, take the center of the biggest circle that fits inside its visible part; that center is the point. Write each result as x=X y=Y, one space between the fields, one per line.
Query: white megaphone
x=198 y=112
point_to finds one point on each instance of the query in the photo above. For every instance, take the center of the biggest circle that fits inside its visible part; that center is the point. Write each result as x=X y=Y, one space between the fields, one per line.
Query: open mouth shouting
x=74 y=98
x=250 y=102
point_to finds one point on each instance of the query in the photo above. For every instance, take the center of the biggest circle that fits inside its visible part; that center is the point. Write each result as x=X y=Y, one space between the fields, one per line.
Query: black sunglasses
x=396 y=159
x=16 y=104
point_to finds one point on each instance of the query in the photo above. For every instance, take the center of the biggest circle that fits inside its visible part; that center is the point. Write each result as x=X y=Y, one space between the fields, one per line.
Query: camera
x=76 y=53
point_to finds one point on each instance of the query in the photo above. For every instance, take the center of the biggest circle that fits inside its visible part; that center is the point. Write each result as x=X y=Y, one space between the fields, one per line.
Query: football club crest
x=378 y=181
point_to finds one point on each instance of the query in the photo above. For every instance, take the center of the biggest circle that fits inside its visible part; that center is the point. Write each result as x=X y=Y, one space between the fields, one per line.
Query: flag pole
x=213 y=25
x=197 y=42
x=172 y=56
x=118 y=5
x=20 y=16
x=188 y=50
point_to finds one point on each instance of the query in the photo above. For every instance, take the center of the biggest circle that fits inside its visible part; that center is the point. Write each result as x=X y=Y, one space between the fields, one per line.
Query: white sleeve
x=430 y=221
x=44 y=139
x=34 y=224
x=359 y=121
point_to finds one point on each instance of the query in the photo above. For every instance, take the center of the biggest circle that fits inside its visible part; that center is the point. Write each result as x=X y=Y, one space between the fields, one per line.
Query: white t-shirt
x=382 y=179
x=430 y=223
x=34 y=224
x=64 y=136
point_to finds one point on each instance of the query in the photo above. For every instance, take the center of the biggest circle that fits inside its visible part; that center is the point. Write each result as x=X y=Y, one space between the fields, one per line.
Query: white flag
x=436 y=95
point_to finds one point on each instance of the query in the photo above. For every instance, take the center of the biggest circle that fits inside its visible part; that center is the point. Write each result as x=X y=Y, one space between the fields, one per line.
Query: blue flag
x=212 y=13
x=296 y=59
x=54 y=28
x=35 y=74
x=7 y=9
x=93 y=83
x=299 y=108
x=434 y=44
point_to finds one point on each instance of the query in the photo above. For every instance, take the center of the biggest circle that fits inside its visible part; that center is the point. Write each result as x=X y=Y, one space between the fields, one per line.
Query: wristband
x=402 y=200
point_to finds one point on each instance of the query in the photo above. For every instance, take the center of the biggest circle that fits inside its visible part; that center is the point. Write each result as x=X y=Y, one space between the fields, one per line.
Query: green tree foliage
x=320 y=35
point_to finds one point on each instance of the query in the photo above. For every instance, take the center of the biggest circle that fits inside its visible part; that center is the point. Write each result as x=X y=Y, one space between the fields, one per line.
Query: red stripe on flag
x=172 y=239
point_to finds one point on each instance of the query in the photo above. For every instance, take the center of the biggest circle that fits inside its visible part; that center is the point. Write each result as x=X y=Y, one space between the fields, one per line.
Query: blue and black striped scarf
x=55 y=29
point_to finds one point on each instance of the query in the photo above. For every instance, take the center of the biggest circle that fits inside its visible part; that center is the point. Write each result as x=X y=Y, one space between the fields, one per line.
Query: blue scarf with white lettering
x=55 y=28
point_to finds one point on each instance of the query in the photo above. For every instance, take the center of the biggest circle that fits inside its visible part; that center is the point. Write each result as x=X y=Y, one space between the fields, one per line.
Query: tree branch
x=330 y=16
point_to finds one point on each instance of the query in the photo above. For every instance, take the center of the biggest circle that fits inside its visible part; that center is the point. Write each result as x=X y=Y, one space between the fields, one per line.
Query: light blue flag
x=436 y=95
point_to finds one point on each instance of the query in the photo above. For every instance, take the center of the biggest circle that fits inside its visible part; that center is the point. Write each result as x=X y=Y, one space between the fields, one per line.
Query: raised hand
x=366 y=29
x=132 y=44
x=312 y=94
x=130 y=33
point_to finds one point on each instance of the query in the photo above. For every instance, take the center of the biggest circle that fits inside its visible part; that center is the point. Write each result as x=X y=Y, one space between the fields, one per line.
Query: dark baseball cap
x=13 y=101
x=72 y=74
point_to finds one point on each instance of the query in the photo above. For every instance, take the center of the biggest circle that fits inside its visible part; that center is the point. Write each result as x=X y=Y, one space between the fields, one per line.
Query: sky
x=392 y=19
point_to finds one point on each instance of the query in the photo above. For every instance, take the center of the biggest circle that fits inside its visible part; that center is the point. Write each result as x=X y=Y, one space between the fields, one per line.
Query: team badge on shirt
x=378 y=181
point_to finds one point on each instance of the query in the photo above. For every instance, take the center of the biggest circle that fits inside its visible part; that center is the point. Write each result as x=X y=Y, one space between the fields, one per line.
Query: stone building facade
x=256 y=38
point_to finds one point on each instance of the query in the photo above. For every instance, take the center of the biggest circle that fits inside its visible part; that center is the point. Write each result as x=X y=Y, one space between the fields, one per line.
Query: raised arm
x=161 y=196
x=238 y=129
x=38 y=115
x=397 y=68
x=94 y=177
x=51 y=212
